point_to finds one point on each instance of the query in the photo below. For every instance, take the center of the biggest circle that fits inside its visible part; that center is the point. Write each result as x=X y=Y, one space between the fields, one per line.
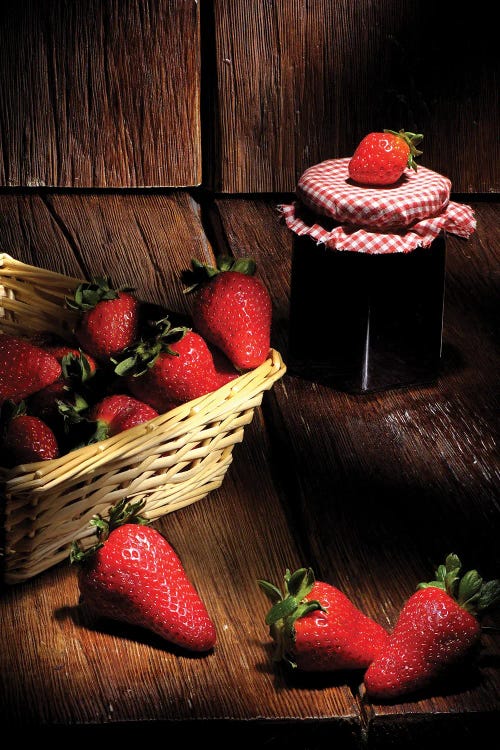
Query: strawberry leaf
x=489 y=598
x=469 y=590
x=119 y=514
x=432 y=584
x=270 y=590
x=300 y=583
x=281 y=610
x=89 y=294
x=200 y=273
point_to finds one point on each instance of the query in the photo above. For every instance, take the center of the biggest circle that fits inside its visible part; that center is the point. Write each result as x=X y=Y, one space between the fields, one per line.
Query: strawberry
x=133 y=575
x=171 y=368
x=381 y=158
x=76 y=365
x=231 y=309
x=118 y=412
x=437 y=629
x=317 y=628
x=27 y=438
x=24 y=368
x=109 y=318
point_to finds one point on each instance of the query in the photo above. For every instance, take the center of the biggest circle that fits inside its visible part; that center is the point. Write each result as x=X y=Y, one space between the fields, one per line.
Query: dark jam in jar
x=361 y=322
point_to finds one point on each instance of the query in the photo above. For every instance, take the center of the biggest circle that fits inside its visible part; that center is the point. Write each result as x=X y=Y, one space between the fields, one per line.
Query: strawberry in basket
x=231 y=309
x=109 y=318
x=133 y=575
x=25 y=438
x=25 y=368
x=118 y=412
x=171 y=367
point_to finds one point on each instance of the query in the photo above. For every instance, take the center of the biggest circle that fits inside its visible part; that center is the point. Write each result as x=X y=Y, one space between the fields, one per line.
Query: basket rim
x=265 y=375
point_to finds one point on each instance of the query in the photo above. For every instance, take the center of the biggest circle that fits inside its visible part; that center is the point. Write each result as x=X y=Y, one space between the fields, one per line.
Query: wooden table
x=370 y=491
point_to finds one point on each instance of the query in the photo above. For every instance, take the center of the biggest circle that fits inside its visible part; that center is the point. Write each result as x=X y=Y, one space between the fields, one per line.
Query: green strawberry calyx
x=411 y=140
x=76 y=367
x=121 y=513
x=469 y=590
x=287 y=607
x=137 y=359
x=199 y=273
x=90 y=293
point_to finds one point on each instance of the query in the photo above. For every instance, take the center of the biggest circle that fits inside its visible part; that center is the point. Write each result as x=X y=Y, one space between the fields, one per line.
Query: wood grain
x=298 y=82
x=370 y=491
x=100 y=94
x=382 y=487
x=74 y=671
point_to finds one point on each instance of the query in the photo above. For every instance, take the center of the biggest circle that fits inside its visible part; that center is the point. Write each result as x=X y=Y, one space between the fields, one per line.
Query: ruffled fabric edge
x=456 y=218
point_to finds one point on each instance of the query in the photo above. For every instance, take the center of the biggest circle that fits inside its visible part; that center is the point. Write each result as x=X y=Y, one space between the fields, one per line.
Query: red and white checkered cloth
x=397 y=218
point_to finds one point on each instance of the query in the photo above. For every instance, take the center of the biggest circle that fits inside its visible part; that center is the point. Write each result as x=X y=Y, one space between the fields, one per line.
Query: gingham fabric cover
x=393 y=219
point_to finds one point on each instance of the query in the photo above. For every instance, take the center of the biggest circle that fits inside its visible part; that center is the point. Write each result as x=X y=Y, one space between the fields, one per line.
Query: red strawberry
x=223 y=366
x=317 y=628
x=232 y=309
x=62 y=410
x=28 y=438
x=76 y=364
x=24 y=368
x=133 y=575
x=117 y=413
x=44 y=403
x=109 y=319
x=381 y=158
x=164 y=372
x=437 y=629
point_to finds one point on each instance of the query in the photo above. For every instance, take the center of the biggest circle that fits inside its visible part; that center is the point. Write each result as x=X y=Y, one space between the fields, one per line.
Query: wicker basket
x=175 y=459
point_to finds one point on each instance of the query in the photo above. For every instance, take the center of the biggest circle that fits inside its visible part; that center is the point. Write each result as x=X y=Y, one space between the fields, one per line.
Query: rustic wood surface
x=100 y=94
x=371 y=491
x=299 y=82
x=238 y=96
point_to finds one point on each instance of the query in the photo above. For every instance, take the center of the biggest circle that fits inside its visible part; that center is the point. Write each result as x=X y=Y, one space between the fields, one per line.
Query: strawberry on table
x=24 y=368
x=171 y=368
x=317 y=628
x=382 y=158
x=109 y=318
x=133 y=575
x=437 y=629
x=231 y=309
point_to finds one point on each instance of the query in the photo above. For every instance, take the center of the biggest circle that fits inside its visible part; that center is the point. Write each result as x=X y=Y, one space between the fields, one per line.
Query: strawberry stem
x=135 y=360
x=200 y=273
x=121 y=513
x=469 y=590
x=411 y=140
x=89 y=294
x=287 y=607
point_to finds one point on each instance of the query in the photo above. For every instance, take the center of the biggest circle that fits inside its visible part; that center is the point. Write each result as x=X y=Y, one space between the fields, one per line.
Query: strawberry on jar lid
x=382 y=158
x=343 y=213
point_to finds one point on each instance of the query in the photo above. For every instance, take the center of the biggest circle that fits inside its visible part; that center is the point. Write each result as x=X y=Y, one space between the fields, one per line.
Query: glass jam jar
x=363 y=322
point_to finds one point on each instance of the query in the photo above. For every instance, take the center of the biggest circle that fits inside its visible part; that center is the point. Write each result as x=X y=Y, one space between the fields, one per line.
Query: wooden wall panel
x=107 y=93
x=100 y=93
x=299 y=81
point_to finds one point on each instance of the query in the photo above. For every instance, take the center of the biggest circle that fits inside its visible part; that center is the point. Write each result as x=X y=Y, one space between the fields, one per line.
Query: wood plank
x=299 y=82
x=61 y=670
x=100 y=94
x=381 y=487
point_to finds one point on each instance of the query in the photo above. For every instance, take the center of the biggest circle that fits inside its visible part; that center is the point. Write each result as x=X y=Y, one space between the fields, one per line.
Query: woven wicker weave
x=175 y=459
